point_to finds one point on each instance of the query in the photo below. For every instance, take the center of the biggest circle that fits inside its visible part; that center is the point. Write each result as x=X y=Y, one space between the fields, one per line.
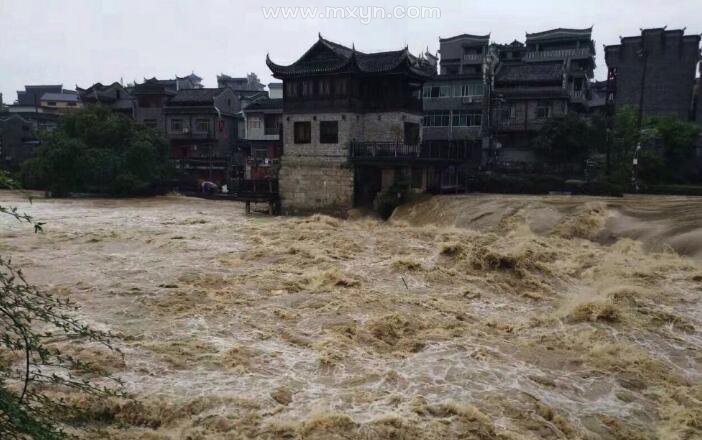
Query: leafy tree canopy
x=96 y=150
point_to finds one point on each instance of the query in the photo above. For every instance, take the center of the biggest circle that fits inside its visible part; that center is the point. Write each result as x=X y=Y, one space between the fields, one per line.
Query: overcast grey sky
x=85 y=41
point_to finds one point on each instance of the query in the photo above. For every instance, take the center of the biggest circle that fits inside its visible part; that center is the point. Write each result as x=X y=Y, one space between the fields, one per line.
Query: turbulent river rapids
x=471 y=317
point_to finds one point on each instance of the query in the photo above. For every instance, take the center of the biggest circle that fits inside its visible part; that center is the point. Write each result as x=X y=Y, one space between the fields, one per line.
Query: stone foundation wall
x=317 y=177
x=310 y=185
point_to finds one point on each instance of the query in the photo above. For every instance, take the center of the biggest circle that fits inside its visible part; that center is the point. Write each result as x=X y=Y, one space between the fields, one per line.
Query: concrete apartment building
x=498 y=96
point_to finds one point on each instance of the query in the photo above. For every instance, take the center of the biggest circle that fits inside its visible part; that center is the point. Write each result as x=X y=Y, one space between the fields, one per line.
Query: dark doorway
x=367 y=183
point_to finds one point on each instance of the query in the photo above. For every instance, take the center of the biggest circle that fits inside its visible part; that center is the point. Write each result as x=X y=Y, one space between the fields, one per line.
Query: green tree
x=565 y=142
x=670 y=158
x=668 y=148
x=31 y=321
x=97 y=150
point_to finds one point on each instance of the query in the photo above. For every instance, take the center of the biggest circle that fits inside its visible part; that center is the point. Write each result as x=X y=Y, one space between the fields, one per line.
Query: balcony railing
x=473 y=58
x=399 y=151
x=559 y=54
x=578 y=95
x=188 y=134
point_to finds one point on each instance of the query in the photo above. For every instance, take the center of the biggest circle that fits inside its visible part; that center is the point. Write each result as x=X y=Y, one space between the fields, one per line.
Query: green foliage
x=566 y=140
x=96 y=150
x=387 y=200
x=668 y=149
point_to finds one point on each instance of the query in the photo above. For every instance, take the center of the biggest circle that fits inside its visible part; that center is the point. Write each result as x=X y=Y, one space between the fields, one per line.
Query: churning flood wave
x=472 y=317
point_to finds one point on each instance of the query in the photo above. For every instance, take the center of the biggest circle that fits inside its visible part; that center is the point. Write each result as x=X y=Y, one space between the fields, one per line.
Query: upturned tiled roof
x=328 y=57
x=266 y=104
x=67 y=97
x=196 y=96
x=477 y=39
x=531 y=72
x=558 y=33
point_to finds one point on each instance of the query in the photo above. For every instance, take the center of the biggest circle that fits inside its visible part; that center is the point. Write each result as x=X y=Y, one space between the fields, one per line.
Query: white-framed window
x=436 y=92
x=255 y=122
x=177 y=125
x=467 y=118
x=472 y=88
x=436 y=119
x=543 y=110
x=202 y=125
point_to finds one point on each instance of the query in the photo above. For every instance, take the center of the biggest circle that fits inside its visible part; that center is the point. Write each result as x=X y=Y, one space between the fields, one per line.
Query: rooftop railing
x=558 y=54
x=473 y=58
x=399 y=151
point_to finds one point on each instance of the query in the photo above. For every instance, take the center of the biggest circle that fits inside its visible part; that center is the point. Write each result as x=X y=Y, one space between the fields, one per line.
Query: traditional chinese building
x=114 y=96
x=351 y=126
x=655 y=71
x=261 y=142
x=201 y=127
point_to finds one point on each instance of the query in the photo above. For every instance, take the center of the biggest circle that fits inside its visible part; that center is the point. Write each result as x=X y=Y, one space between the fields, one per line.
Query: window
x=51 y=103
x=291 y=90
x=151 y=123
x=303 y=132
x=271 y=124
x=467 y=119
x=72 y=104
x=436 y=119
x=340 y=86
x=307 y=88
x=177 y=125
x=324 y=87
x=411 y=133
x=471 y=88
x=202 y=125
x=437 y=91
x=260 y=153
x=328 y=132
x=254 y=122
x=543 y=110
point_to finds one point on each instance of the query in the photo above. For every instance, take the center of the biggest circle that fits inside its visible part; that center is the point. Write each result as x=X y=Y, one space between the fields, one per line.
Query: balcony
x=558 y=54
x=400 y=152
x=473 y=58
x=578 y=95
x=194 y=135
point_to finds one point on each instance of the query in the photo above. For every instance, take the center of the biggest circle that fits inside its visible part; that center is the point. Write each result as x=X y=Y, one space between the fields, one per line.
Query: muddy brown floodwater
x=472 y=317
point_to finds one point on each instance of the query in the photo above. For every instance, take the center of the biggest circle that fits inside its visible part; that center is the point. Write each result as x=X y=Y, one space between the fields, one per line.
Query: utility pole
x=643 y=54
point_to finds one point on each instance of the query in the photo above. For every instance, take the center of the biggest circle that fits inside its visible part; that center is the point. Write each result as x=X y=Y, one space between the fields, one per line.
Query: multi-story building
x=248 y=82
x=454 y=101
x=546 y=77
x=151 y=98
x=261 y=145
x=201 y=128
x=65 y=101
x=17 y=141
x=351 y=127
x=499 y=96
x=45 y=99
x=115 y=96
x=654 y=72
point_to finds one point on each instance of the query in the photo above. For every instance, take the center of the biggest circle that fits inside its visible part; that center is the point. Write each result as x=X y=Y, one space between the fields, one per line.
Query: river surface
x=472 y=317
